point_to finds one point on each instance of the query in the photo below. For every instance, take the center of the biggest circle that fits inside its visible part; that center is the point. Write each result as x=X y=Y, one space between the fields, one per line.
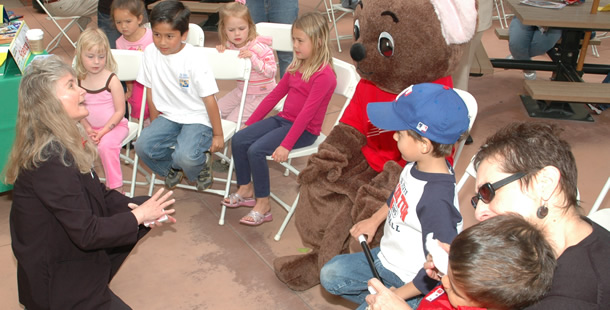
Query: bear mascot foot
x=295 y=271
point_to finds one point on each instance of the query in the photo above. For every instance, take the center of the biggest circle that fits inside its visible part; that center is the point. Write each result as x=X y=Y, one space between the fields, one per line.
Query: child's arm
x=407 y=291
x=262 y=58
x=322 y=84
x=369 y=226
x=214 y=115
x=154 y=113
x=437 y=214
x=270 y=101
x=118 y=99
x=90 y=132
x=129 y=90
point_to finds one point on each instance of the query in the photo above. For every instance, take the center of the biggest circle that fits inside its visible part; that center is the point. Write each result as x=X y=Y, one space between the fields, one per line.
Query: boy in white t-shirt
x=428 y=120
x=183 y=108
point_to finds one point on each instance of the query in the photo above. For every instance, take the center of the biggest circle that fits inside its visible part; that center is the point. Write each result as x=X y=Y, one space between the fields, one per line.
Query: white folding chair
x=601 y=217
x=225 y=66
x=600 y=198
x=331 y=9
x=501 y=15
x=473 y=109
x=282 y=42
x=195 y=37
x=281 y=34
x=347 y=79
x=62 y=30
x=469 y=172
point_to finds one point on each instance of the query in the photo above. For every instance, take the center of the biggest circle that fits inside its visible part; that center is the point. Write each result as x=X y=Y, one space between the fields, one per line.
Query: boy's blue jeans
x=190 y=142
x=346 y=275
x=253 y=144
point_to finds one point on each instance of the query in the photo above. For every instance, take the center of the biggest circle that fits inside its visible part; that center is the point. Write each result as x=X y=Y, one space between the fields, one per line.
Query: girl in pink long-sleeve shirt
x=105 y=100
x=238 y=32
x=308 y=86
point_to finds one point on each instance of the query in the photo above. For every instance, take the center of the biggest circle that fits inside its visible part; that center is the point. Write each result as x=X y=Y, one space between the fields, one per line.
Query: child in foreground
x=428 y=120
x=183 y=109
x=238 y=32
x=106 y=125
x=308 y=85
x=501 y=263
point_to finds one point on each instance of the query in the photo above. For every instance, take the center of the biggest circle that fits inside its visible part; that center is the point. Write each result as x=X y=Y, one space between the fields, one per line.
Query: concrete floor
x=197 y=264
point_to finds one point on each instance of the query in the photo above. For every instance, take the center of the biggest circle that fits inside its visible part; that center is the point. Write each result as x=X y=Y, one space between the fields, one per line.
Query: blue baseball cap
x=435 y=111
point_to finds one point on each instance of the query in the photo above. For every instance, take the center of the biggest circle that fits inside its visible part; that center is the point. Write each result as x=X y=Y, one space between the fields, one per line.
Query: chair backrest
x=228 y=66
x=347 y=79
x=128 y=63
x=281 y=34
x=195 y=37
x=470 y=172
x=473 y=109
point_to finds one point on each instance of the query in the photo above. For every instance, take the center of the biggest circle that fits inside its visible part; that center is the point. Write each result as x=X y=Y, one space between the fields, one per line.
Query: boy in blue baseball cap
x=428 y=119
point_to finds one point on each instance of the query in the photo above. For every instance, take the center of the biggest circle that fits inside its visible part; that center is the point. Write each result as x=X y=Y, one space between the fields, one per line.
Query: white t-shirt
x=421 y=203
x=178 y=82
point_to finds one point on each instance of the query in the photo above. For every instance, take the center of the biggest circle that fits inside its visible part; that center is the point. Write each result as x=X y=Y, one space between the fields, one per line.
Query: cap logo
x=422 y=127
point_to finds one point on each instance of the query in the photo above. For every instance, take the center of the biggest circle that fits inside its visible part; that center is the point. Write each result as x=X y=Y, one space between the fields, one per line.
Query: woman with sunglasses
x=526 y=168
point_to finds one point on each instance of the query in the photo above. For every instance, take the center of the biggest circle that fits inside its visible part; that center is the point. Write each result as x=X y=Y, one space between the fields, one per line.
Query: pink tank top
x=100 y=104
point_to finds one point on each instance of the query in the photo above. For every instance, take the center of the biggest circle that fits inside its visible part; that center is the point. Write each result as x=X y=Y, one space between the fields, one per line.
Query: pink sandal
x=258 y=218
x=236 y=200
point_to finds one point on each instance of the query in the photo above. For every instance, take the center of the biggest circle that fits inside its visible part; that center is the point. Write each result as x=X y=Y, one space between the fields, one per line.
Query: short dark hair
x=528 y=147
x=438 y=150
x=502 y=263
x=171 y=12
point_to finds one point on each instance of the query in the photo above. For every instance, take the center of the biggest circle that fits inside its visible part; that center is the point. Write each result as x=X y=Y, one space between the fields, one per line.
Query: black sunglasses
x=487 y=191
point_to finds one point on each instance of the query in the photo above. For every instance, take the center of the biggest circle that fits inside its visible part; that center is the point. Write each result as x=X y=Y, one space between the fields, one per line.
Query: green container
x=9 y=86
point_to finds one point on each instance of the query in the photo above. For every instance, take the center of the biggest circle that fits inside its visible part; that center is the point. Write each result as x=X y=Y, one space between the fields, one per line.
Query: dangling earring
x=542 y=211
x=184 y=41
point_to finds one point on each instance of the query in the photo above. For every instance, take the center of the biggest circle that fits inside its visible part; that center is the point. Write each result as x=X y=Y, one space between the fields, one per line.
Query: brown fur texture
x=338 y=187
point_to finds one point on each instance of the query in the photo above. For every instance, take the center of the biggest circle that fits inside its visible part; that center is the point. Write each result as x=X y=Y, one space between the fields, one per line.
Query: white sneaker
x=529 y=74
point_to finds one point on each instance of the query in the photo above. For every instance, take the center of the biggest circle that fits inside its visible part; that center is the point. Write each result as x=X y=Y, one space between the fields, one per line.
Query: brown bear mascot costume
x=397 y=43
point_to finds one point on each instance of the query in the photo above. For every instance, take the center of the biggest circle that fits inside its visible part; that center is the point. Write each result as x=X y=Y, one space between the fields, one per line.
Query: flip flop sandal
x=258 y=218
x=236 y=200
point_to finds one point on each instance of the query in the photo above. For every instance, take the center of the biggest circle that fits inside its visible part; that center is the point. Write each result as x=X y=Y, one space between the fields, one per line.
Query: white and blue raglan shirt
x=421 y=203
x=178 y=82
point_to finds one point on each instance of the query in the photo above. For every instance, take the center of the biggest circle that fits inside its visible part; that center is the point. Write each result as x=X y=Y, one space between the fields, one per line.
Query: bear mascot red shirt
x=397 y=44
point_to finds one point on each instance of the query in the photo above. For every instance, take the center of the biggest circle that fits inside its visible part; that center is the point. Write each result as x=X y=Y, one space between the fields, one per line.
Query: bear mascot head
x=397 y=44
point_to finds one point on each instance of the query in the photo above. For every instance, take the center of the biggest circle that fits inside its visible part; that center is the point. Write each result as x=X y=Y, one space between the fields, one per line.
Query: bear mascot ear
x=401 y=43
x=397 y=43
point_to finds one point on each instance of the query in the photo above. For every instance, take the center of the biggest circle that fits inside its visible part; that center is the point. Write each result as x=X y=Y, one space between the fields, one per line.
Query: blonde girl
x=106 y=125
x=238 y=32
x=308 y=86
x=127 y=16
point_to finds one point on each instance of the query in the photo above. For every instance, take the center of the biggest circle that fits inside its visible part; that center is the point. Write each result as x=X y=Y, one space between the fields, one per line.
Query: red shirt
x=437 y=299
x=380 y=145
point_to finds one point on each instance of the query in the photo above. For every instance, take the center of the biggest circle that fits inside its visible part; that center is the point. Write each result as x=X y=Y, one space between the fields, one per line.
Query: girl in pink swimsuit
x=105 y=100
